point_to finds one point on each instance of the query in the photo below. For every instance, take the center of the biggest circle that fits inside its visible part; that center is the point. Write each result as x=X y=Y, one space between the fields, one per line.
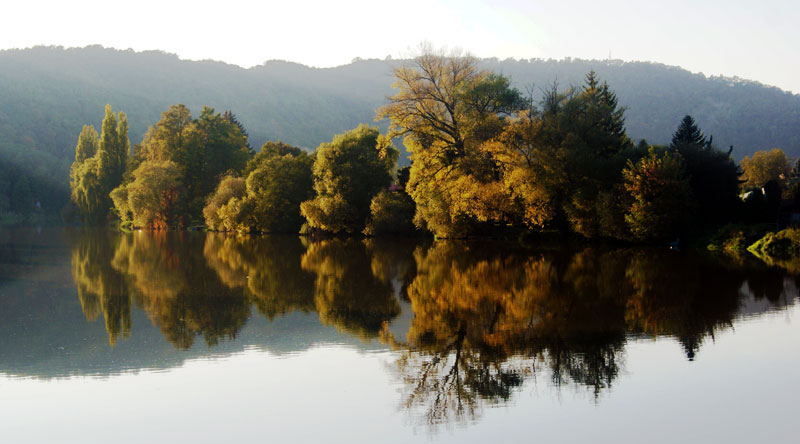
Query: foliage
x=205 y=149
x=199 y=151
x=268 y=150
x=662 y=198
x=446 y=107
x=229 y=188
x=151 y=199
x=735 y=238
x=765 y=166
x=268 y=199
x=390 y=212
x=98 y=166
x=781 y=245
x=688 y=133
x=348 y=172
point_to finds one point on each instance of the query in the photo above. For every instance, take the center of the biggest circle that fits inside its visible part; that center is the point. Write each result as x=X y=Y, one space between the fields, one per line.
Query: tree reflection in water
x=177 y=290
x=346 y=282
x=485 y=319
x=486 y=316
x=101 y=288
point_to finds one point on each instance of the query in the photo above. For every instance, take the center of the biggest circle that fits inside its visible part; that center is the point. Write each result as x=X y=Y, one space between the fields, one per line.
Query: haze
x=731 y=38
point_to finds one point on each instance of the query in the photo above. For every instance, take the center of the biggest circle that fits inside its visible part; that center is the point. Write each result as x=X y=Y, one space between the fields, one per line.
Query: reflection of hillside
x=101 y=289
x=169 y=279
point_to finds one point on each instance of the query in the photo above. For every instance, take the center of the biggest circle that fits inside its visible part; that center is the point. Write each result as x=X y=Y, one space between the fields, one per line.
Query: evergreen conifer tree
x=688 y=133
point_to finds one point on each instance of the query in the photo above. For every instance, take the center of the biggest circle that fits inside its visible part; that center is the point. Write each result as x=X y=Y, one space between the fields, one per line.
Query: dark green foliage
x=203 y=149
x=735 y=238
x=661 y=197
x=271 y=149
x=603 y=124
x=276 y=188
x=688 y=134
x=585 y=131
x=268 y=199
x=217 y=146
x=391 y=212
x=348 y=172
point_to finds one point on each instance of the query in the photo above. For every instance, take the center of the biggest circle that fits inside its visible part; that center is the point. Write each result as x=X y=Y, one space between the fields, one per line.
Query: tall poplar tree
x=99 y=165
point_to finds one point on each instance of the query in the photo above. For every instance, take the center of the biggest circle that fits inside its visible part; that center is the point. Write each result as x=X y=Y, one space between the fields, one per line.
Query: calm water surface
x=193 y=337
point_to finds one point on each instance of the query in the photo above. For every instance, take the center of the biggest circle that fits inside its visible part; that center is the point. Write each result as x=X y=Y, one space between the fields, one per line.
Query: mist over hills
x=48 y=93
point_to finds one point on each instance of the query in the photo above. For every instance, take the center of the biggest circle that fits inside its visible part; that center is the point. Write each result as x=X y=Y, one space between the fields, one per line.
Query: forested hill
x=48 y=93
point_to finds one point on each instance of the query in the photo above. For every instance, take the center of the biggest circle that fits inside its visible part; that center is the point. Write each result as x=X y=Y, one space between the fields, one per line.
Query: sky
x=752 y=40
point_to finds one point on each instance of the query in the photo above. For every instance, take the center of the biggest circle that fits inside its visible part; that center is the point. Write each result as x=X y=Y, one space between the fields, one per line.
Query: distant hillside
x=48 y=93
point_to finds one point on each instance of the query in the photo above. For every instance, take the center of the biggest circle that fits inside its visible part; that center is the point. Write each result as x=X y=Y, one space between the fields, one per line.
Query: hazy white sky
x=753 y=40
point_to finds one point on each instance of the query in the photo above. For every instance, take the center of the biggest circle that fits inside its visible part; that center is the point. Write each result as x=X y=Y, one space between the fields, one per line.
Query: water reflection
x=101 y=288
x=487 y=318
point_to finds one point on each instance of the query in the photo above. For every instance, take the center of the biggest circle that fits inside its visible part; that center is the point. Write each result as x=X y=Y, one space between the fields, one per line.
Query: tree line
x=486 y=160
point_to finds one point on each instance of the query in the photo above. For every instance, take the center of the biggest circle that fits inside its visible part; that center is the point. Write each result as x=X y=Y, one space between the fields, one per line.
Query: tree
x=713 y=176
x=446 y=107
x=661 y=196
x=391 y=212
x=216 y=146
x=151 y=199
x=268 y=199
x=688 y=133
x=229 y=188
x=765 y=166
x=204 y=150
x=99 y=165
x=88 y=143
x=561 y=165
x=113 y=149
x=276 y=189
x=348 y=172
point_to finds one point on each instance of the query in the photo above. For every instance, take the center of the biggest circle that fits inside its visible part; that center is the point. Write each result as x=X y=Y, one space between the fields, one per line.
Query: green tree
x=88 y=143
x=560 y=165
x=688 y=133
x=151 y=199
x=268 y=199
x=348 y=172
x=276 y=189
x=661 y=196
x=216 y=146
x=268 y=150
x=204 y=150
x=229 y=188
x=391 y=212
x=99 y=165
